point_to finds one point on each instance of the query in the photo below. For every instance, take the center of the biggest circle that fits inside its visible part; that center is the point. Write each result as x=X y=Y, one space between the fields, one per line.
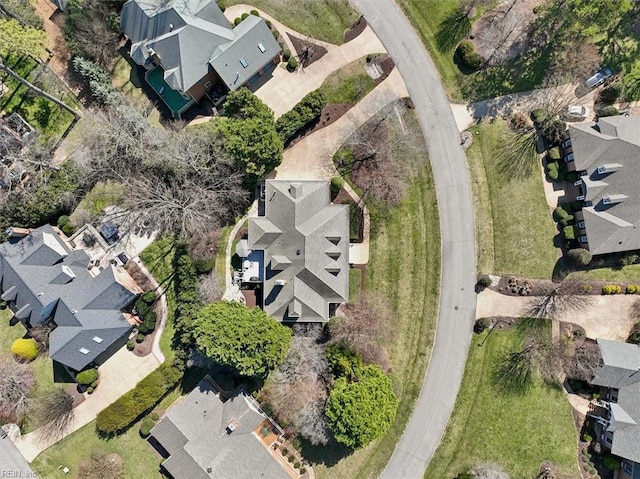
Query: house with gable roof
x=607 y=157
x=189 y=48
x=210 y=433
x=302 y=246
x=617 y=413
x=43 y=281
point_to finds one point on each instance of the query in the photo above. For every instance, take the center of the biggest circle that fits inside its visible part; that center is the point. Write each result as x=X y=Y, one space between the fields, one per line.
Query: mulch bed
x=541 y=286
x=355 y=30
x=306 y=52
x=78 y=397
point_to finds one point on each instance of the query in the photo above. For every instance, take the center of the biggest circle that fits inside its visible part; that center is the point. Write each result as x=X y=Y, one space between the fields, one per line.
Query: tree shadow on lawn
x=522 y=74
x=328 y=455
x=452 y=29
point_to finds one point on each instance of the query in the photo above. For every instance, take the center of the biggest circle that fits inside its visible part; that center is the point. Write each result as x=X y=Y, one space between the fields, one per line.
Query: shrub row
x=307 y=110
x=611 y=289
x=128 y=408
x=187 y=303
x=144 y=308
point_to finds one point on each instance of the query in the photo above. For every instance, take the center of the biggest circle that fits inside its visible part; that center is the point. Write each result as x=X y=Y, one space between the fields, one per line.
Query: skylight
x=84 y=350
x=243 y=62
x=97 y=339
x=261 y=47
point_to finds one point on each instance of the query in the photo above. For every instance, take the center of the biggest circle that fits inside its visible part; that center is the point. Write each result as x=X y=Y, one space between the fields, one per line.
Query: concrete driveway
x=117 y=376
x=457 y=297
x=12 y=464
x=608 y=316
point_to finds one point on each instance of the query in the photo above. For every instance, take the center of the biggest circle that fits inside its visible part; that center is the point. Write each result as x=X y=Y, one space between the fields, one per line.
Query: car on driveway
x=576 y=113
x=598 y=78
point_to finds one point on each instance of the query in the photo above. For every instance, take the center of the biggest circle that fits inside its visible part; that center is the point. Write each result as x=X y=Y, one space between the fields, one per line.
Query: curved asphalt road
x=457 y=296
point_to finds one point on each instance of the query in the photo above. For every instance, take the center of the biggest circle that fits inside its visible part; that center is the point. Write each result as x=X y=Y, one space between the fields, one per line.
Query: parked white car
x=577 y=113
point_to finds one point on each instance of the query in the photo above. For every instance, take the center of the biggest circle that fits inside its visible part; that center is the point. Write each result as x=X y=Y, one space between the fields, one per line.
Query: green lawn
x=516 y=431
x=325 y=20
x=514 y=228
x=350 y=84
x=404 y=268
x=355 y=276
x=626 y=273
x=158 y=258
x=103 y=194
x=8 y=333
x=48 y=119
x=140 y=461
x=427 y=16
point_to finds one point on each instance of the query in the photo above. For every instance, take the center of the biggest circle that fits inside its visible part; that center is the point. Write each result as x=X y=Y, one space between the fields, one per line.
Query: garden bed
x=307 y=52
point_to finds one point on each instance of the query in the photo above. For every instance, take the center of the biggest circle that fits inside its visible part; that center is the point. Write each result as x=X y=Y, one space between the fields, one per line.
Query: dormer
x=608 y=168
x=613 y=199
x=64 y=276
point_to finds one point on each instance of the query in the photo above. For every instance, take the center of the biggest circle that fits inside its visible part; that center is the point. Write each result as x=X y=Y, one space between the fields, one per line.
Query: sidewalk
x=606 y=318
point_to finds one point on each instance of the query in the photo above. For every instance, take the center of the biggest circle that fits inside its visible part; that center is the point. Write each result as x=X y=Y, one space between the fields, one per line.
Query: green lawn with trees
x=518 y=431
x=514 y=227
x=325 y=20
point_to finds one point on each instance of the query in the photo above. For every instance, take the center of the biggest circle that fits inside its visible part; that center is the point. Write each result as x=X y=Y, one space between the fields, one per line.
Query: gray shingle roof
x=201 y=418
x=189 y=36
x=621 y=370
x=611 y=226
x=305 y=240
x=40 y=271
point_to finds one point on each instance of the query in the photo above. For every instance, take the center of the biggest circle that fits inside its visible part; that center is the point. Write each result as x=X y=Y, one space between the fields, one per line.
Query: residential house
x=189 y=48
x=618 y=421
x=299 y=251
x=44 y=281
x=209 y=434
x=607 y=156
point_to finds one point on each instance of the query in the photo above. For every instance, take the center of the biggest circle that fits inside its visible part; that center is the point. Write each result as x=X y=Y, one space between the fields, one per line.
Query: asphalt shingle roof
x=192 y=36
x=305 y=240
x=40 y=271
x=194 y=431
x=614 y=144
x=621 y=370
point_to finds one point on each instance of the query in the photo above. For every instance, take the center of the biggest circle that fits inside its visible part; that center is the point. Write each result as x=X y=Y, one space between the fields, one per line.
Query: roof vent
x=280 y=282
x=231 y=427
x=296 y=190
x=171 y=27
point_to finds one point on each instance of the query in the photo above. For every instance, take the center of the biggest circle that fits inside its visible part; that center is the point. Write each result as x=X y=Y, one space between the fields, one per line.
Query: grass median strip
x=516 y=431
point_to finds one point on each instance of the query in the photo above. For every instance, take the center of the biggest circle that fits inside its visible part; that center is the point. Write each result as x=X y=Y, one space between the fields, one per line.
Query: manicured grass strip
x=354 y=285
x=325 y=20
x=349 y=85
x=516 y=431
x=426 y=17
x=404 y=267
x=626 y=273
x=514 y=228
x=158 y=258
x=138 y=456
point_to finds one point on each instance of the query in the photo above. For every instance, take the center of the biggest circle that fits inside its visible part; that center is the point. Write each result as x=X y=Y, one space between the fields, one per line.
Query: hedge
x=569 y=232
x=579 y=256
x=554 y=153
x=611 y=289
x=611 y=93
x=88 y=376
x=561 y=214
x=608 y=111
x=632 y=289
x=129 y=407
x=552 y=170
x=467 y=55
x=146 y=426
x=26 y=349
x=307 y=110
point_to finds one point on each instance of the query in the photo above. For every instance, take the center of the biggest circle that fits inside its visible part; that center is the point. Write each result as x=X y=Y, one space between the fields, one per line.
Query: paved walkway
x=286 y=89
x=608 y=316
x=117 y=376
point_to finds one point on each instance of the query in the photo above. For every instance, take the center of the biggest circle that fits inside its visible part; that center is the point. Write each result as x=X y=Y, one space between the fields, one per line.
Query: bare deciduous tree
x=567 y=296
x=54 y=413
x=208 y=289
x=16 y=383
x=298 y=389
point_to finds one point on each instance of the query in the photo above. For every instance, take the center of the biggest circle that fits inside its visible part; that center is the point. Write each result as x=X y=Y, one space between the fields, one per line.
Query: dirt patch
x=306 y=51
x=355 y=30
x=78 y=397
x=502 y=34
x=53 y=21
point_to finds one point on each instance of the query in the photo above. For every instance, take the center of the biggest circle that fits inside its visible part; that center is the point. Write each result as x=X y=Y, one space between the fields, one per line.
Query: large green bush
x=25 y=349
x=307 y=110
x=554 y=153
x=569 y=232
x=467 y=55
x=611 y=93
x=579 y=256
x=88 y=376
x=129 y=407
x=539 y=116
x=608 y=111
x=551 y=169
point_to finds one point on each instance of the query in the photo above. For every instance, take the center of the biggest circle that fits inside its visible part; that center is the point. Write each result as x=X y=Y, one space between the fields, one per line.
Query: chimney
x=295 y=190
x=15 y=232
